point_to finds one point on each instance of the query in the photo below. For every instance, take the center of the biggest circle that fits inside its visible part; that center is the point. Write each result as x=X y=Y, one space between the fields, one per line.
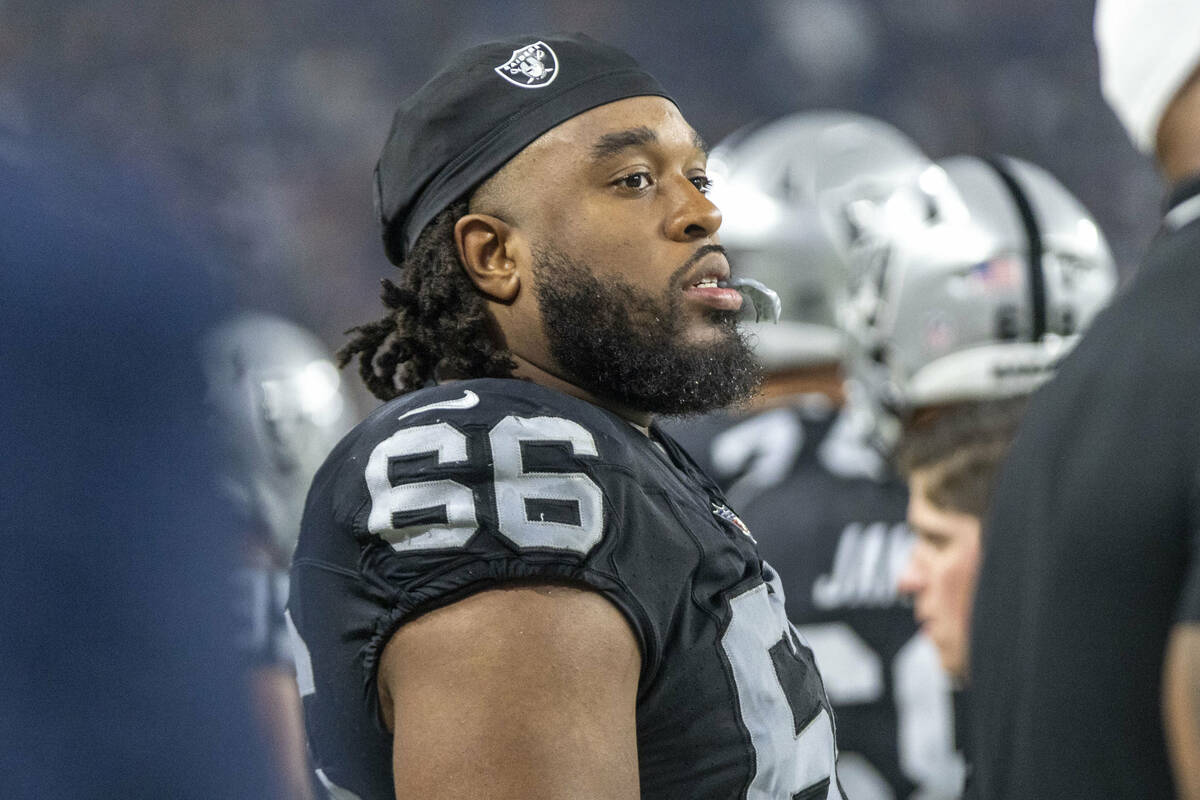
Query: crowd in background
x=261 y=120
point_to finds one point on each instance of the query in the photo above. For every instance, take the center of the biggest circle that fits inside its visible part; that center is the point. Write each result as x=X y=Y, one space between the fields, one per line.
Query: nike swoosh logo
x=468 y=400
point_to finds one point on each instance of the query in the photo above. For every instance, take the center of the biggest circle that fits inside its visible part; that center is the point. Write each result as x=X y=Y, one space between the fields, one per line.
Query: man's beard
x=621 y=344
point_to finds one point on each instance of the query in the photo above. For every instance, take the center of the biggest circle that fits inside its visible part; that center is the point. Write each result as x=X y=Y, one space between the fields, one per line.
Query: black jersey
x=1092 y=548
x=829 y=513
x=259 y=595
x=454 y=489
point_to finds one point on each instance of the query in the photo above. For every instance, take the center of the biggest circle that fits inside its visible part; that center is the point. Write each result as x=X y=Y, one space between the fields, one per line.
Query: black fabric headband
x=482 y=109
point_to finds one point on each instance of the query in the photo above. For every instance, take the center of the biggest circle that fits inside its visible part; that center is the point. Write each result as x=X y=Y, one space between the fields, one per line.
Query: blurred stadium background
x=261 y=120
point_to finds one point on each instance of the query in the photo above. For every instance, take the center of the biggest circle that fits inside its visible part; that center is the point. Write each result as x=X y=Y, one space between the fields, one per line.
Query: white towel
x=1148 y=50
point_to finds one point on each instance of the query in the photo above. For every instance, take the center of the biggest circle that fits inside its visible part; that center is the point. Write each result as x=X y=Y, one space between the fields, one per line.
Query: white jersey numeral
x=760 y=450
x=449 y=445
x=516 y=488
x=854 y=673
x=303 y=659
x=788 y=762
x=523 y=497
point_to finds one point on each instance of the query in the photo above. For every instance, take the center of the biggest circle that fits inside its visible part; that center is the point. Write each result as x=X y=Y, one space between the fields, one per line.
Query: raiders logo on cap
x=531 y=67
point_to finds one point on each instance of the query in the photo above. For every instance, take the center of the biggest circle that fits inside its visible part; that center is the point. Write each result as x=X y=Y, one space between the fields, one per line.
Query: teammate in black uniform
x=512 y=584
x=1087 y=634
x=958 y=339
x=949 y=456
x=992 y=270
x=822 y=501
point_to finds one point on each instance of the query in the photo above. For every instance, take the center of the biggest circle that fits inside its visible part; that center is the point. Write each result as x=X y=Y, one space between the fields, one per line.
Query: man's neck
x=1178 y=145
x=527 y=370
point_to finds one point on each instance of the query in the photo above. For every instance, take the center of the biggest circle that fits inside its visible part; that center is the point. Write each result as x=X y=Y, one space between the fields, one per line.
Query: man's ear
x=488 y=248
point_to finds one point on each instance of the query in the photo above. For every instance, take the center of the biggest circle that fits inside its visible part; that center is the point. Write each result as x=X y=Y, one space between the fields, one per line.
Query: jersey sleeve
x=452 y=502
x=1189 y=598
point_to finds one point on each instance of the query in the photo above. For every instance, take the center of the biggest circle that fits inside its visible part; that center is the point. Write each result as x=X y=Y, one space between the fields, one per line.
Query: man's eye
x=938 y=542
x=703 y=183
x=638 y=180
x=934 y=541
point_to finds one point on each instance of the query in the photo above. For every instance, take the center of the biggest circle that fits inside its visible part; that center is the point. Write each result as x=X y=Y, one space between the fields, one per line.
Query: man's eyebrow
x=610 y=144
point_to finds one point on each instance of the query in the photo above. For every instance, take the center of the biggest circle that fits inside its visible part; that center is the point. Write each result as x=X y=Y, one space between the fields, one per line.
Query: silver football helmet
x=979 y=277
x=279 y=408
x=794 y=194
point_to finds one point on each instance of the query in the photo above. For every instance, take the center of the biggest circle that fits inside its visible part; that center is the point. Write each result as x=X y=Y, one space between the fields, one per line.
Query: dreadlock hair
x=437 y=323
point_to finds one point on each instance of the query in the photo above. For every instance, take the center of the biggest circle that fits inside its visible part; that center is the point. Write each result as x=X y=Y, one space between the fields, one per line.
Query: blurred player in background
x=1085 y=652
x=511 y=584
x=278 y=407
x=825 y=507
x=949 y=456
x=116 y=675
x=953 y=347
x=985 y=274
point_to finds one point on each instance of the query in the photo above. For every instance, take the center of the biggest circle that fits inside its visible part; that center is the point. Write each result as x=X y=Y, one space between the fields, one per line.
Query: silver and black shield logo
x=531 y=67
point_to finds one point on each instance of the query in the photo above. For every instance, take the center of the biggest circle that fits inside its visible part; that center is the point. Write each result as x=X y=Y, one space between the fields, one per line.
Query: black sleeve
x=1189 y=598
x=445 y=505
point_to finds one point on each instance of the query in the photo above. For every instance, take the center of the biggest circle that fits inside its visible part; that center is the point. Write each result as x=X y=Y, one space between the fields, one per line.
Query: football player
x=797 y=194
x=949 y=456
x=1088 y=666
x=509 y=583
x=278 y=407
x=986 y=272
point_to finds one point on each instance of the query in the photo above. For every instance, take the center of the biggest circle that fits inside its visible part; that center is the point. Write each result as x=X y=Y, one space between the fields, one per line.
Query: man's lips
x=709 y=261
x=716 y=296
x=708 y=282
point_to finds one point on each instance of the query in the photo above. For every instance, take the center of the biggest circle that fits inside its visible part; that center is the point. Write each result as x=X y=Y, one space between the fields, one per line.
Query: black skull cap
x=482 y=109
